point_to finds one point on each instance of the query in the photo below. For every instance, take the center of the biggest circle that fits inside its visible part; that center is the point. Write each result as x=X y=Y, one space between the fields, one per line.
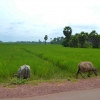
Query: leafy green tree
x=45 y=38
x=73 y=41
x=82 y=37
x=67 y=31
x=65 y=42
x=94 y=39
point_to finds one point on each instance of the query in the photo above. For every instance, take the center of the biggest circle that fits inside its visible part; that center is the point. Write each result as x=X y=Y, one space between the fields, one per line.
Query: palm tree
x=45 y=38
x=67 y=32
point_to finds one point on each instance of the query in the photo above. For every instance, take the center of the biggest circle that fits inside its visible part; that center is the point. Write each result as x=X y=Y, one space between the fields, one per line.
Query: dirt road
x=87 y=89
x=93 y=94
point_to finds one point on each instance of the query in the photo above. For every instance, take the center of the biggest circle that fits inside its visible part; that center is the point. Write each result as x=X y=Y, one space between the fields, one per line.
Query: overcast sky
x=31 y=20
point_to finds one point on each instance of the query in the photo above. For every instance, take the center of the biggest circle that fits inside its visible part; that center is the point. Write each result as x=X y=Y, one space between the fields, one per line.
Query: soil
x=27 y=90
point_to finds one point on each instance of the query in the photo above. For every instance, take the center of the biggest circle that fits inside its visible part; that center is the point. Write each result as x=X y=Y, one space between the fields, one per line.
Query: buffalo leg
x=78 y=73
x=81 y=74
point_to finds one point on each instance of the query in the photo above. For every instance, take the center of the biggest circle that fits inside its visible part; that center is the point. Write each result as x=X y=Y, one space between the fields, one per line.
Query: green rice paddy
x=47 y=62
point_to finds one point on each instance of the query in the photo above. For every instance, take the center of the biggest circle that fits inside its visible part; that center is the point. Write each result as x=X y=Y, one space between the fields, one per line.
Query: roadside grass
x=47 y=62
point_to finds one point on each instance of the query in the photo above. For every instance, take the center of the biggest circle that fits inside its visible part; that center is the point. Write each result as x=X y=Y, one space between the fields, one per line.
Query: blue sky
x=31 y=20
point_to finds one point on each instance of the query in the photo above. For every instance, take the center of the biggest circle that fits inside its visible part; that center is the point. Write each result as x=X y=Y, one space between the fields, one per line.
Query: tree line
x=83 y=39
x=56 y=40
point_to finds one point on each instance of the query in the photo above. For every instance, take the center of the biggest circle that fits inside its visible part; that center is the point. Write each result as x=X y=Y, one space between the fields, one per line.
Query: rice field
x=47 y=62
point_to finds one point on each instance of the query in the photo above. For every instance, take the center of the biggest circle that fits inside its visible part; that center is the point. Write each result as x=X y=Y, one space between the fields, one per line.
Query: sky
x=31 y=20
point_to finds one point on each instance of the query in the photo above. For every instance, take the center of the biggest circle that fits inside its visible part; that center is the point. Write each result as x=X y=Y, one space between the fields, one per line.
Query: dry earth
x=22 y=91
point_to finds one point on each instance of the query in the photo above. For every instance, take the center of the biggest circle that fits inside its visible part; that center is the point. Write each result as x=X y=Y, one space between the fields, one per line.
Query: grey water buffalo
x=86 y=66
x=23 y=72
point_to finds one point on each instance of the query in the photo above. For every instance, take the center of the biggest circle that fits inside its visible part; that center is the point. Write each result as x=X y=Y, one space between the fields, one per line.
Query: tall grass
x=64 y=57
x=46 y=61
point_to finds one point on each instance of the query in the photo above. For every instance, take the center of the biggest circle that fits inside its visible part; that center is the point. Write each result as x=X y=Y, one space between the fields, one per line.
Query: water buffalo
x=23 y=72
x=86 y=66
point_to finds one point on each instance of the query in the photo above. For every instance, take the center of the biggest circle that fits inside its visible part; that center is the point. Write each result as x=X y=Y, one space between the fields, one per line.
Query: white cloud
x=32 y=19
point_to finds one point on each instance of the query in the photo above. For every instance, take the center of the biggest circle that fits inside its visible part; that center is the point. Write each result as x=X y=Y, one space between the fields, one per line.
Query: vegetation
x=57 y=40
x=67 y=32
x=82 y=39
x=46 y=62
x=45 y=38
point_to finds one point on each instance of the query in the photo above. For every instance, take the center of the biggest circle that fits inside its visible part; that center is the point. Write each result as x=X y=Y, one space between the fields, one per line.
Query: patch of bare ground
x=22 y=91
